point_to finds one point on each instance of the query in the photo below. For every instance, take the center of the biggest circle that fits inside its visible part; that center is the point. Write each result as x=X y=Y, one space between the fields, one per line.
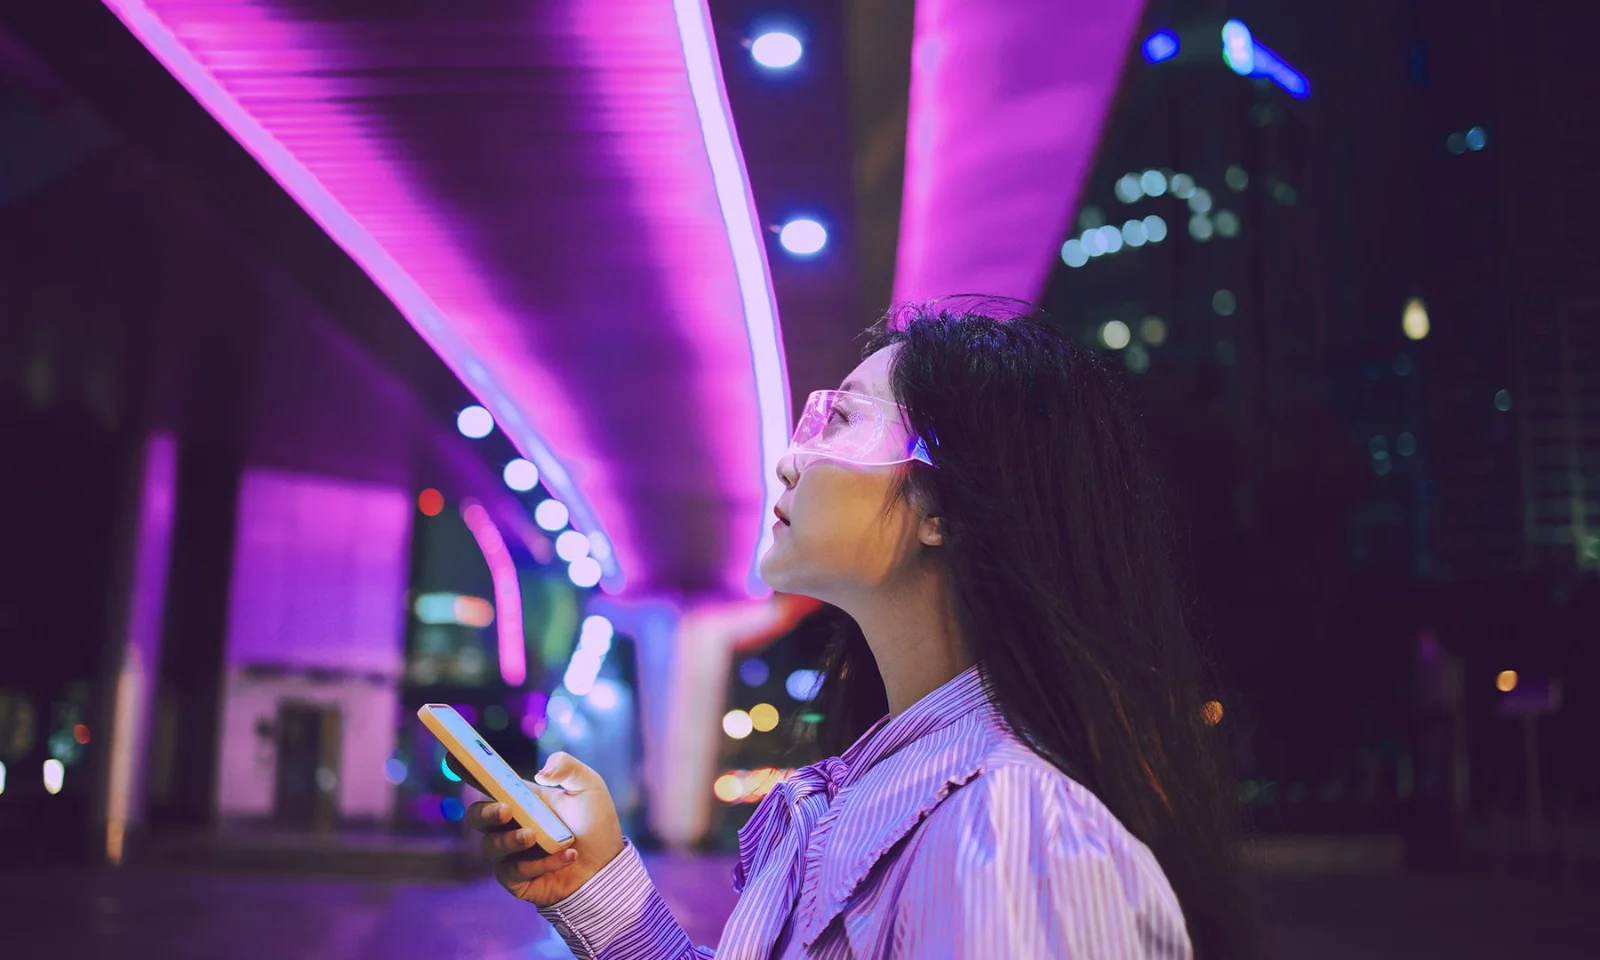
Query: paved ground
x=65 y=915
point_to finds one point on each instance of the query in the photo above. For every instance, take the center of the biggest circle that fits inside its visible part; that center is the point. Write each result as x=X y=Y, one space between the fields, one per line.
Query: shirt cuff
x=612 y=902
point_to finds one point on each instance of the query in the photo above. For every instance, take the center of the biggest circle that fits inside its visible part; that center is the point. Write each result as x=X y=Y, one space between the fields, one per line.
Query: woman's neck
x=915 y=638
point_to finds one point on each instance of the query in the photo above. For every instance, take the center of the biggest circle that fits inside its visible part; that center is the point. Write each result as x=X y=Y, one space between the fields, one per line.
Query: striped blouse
x=937 y=834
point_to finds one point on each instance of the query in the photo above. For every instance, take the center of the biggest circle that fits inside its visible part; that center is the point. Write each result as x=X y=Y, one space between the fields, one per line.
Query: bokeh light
x=572 y=545
x=430 y=502
x=1414 y=319
x=551 y=515
x=1115 y=334
x=521 y=475
x=776 y=50
x=475 y=422
x=1506 y=681
x=737 y=724
x=1211 y=712
x=584 y=572
x=803 y=237
x=764 y=717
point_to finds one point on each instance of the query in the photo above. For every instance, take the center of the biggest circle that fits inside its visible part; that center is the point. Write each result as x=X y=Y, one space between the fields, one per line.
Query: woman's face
x=844 y=530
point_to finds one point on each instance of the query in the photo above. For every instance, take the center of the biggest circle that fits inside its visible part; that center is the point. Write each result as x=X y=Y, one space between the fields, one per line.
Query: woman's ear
x=930 y=532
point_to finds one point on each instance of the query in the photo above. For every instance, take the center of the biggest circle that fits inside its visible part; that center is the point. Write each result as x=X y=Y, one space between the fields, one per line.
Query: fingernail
x=570 y=856
x=524 y=836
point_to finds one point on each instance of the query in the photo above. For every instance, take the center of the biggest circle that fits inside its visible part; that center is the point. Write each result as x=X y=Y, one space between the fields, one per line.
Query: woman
x=1024 y=769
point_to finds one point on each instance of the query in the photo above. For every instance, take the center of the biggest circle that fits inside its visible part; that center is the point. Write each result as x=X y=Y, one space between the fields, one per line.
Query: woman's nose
x=788 y=470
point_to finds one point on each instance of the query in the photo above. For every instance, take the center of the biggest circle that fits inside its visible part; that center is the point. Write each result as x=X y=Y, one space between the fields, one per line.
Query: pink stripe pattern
x=937 y=834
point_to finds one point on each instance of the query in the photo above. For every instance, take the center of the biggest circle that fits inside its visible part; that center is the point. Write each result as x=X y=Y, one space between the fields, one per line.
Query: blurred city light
x=394 y=771
x=776 y=50
x=1506 y=681
x=521 y=475
x=430 y=502
x=737 y=724
x=1476 y=139
x=449 y=774
x=1236 y=178
x=1155 y=228
x=1201 y=228
x=803 y=237
x=1161 y=45
x=1224 y=303
x=1073 y=254
x=605 y=695
x=1115 y=334
x=1133 y=233
x=1200 y=200
x=551 y=515
x=2 y=776
x=1128 y=189
x=1246 y=56
x=571 y=545
x=452 y=809
x=802 y=684
x=599 y=546
x=507 y=591
x=1211 y=712
x=753 y=672
x=1227 y=223
x=1153 y=330
x=1405 y=444
x=475 y=422
x=1502 y=400
x=727 y=788
x=584 y=572
x=594 y=642
x=1414 y=320
x=1153 y=183
x=764 y=717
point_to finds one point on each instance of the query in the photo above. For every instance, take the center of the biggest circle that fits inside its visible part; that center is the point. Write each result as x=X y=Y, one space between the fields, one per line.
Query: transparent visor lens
x=855 y=428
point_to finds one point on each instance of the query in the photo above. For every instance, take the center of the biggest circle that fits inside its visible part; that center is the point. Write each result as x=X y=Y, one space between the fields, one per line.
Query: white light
x=475 y=422
x=1153 y=183
x=55 y=773
x=551 y=515
x=2 y=777
x=1128 y=189
x=1133 y=233
x=803 y=238
x=776 y=50
x=572 y=545
x=584 y=572
x=1111 y=238
x=605 y=695
x=1115 y=334
x=597 y=631
x=737 y=724
x=560 y=709
x=521 y=475
x=1155 y=228
x=1073 y=254
x=802 y=684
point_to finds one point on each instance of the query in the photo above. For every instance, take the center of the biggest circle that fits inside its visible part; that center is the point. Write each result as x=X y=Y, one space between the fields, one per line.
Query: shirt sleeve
x=1025 y=863
x=619 y=915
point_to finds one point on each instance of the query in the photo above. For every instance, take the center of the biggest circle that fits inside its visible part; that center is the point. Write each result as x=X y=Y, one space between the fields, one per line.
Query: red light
x=430 y=502
x=81 y=733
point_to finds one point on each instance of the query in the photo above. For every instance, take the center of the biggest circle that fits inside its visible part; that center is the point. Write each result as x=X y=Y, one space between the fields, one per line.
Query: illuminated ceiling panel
x=1007 y=104
x=553 y=196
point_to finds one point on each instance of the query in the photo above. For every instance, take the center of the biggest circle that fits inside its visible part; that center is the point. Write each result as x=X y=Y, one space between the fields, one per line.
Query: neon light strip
x=407 y=295
x=507 y=592
x=743 y=226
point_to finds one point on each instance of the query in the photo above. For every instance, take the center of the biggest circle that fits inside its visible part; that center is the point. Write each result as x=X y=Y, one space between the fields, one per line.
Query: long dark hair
x=1060 y=551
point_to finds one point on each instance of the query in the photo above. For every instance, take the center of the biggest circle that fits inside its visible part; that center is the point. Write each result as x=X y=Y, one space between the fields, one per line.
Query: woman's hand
x=580 y=798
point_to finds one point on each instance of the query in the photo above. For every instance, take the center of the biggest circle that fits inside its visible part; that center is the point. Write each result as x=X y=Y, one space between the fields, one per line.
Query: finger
x=460 y=771
x=505 y=844
x=563 y=770
x=516 y=871
x=487 y=816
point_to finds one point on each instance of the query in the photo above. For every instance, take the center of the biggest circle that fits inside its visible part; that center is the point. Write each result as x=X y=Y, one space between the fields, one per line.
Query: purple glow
x=507 y=592
x=307 y=110
x=1007 y=103
x=743 y=228
x=803 y=237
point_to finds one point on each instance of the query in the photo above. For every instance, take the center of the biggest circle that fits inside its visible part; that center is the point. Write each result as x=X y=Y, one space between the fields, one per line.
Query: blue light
x=1161 y=45
x=1246 y=56
x=1476 y=139
x=753 y=672
x=444 y=768
x=802 y=684
x=452 y=809
x=394 y=770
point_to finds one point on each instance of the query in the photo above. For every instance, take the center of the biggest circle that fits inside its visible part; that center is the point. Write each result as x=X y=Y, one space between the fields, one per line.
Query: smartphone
x=495 y=775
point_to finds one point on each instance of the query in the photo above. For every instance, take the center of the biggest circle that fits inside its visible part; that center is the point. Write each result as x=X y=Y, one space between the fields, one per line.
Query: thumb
x=563 y=770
